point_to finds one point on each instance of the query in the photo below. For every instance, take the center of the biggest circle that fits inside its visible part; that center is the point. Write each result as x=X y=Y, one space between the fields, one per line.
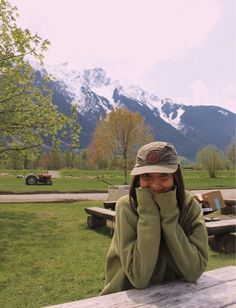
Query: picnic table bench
x=98 y=217
x=222 y=233
x=221 y=226
x=214 y=289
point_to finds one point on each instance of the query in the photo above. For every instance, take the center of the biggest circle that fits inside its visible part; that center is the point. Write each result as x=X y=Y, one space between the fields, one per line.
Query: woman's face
x=158 y=182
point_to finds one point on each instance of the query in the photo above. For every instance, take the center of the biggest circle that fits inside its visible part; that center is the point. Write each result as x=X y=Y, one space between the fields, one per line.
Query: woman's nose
x=156 y=186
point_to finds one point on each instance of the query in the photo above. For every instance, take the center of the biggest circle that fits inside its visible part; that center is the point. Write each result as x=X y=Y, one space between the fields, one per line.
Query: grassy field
x=89 y=180
x=48 y=256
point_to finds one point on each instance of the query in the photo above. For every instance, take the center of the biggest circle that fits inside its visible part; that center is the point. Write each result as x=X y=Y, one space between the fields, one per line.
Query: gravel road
x=229 y=194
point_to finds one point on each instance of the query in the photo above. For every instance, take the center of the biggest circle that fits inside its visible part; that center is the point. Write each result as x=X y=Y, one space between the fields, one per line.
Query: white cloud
x=128 y=33
x=229 y=96
x=199 y=94
x=129 y=38
x=230 y=90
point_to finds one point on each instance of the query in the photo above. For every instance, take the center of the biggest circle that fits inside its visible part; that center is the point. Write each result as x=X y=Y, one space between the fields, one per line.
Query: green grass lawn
x=198 y=179
x=98 y=181
x=48 y=256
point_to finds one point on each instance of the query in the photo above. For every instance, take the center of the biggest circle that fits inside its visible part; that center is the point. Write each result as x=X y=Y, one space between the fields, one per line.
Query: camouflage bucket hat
x=156 y=157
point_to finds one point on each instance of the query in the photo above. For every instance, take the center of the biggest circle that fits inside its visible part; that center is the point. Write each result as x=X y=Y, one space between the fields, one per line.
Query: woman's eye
x=145 y=176
x=164 y=175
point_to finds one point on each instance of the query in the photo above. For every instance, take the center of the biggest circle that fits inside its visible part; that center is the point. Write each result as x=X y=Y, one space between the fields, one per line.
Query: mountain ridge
x=189 y=127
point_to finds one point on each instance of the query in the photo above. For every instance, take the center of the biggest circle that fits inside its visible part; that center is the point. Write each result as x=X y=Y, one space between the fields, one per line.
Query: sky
x=179 y=49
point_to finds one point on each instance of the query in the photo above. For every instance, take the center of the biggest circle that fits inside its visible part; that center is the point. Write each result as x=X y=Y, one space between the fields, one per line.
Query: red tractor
x=45 y=178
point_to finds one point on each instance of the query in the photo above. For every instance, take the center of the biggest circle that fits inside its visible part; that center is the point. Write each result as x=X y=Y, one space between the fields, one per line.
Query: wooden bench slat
x=221 y=226
x=100 y=212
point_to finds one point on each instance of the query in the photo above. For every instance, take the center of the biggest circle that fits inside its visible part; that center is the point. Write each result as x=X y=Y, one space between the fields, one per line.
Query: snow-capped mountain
x=96 y=80
x=188 y=127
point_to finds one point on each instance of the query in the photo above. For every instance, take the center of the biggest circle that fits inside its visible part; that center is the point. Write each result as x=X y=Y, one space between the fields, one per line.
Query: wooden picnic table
x=214 y=289
x=98 y=216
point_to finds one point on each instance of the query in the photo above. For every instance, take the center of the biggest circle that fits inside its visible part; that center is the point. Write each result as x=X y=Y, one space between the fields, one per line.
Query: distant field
x=98 y=181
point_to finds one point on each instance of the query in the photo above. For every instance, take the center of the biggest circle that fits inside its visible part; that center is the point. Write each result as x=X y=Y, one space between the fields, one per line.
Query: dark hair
x=180 y=190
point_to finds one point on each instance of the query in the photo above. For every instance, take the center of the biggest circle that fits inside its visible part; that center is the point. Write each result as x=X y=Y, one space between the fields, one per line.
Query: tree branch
x=25 y=147
x=9 y=98
x=17 y=56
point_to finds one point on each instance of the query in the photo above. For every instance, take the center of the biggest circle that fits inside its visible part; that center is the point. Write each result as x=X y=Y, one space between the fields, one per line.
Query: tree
x=119 y=135
x=44 y=161
x=210 y=158
x=28 y=118
x=231 y=153
x=15 y=160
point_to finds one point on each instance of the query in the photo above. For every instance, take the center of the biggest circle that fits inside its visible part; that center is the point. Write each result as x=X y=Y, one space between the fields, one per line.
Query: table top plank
x=214 y=289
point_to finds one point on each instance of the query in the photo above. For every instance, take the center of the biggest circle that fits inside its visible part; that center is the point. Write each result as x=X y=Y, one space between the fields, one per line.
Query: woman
x=160 y=233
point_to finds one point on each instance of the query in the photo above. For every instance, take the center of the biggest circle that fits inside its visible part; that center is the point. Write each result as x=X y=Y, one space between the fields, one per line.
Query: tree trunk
x=125 y=169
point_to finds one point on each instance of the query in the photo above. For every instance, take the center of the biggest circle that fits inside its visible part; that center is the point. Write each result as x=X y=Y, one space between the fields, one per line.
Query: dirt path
x=54 y=174
x=51 y=197
x=228 y=194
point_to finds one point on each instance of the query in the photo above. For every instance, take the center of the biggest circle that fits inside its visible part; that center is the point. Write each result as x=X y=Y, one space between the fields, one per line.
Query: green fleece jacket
x=150 y=246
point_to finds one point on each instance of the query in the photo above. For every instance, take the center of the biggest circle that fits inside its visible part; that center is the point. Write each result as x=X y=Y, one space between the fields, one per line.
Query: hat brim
x=154 y=169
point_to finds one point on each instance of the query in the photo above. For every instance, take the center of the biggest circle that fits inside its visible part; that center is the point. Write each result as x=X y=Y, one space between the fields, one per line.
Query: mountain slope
x=188 y=127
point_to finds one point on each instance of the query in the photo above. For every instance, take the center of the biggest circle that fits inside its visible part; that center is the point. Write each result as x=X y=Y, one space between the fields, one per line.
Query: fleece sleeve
x=138 y=242
x=190 y=254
